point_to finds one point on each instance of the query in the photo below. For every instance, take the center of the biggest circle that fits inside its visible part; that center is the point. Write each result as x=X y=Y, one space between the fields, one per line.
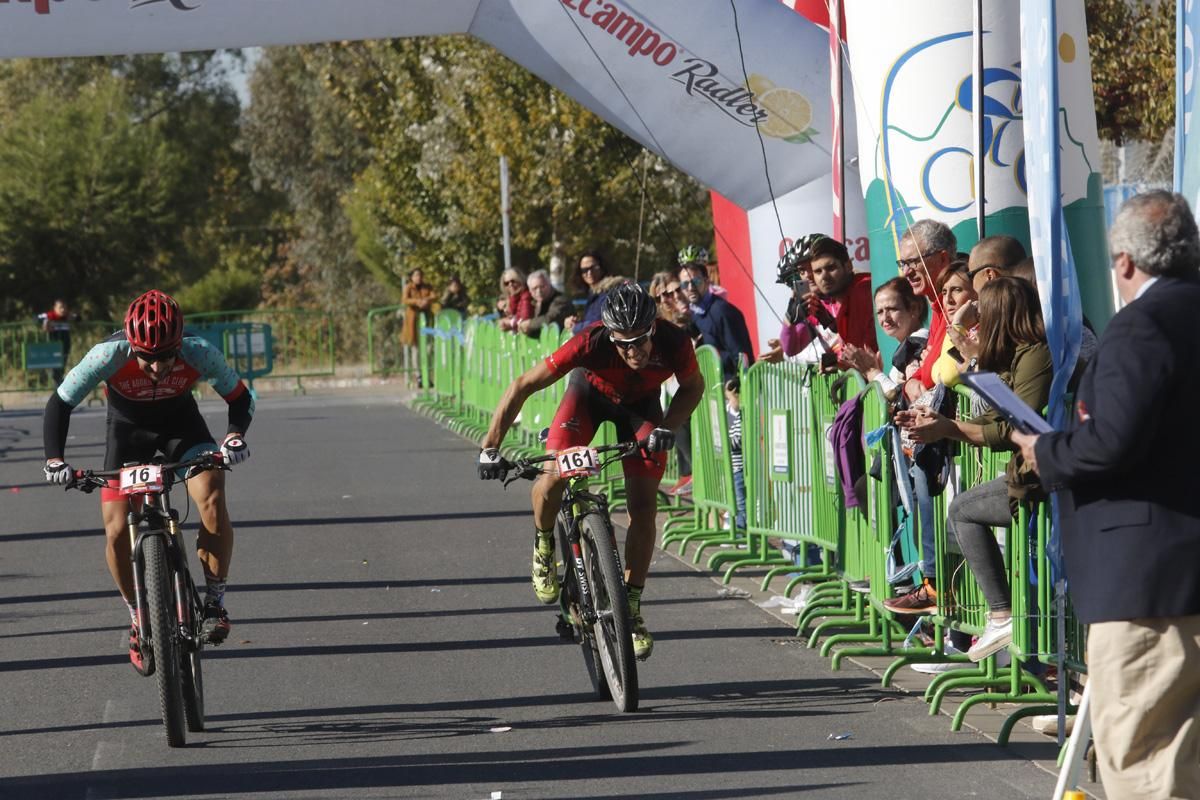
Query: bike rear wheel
x=160 y=605
x=585 y=636
x=612 y=632
x=190 y=665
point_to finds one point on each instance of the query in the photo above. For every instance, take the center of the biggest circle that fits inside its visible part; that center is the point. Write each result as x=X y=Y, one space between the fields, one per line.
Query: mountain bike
x=594 y=612
x=169 y=609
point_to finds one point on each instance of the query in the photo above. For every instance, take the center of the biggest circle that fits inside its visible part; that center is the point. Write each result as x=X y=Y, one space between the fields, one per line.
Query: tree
x=299 y=141
x=437 y=113
x=1132 y=45
x=142 y=183
x=85 y=200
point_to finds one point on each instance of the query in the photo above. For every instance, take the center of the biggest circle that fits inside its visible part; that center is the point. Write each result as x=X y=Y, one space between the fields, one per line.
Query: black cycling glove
x=660 y=440
x=491 y=466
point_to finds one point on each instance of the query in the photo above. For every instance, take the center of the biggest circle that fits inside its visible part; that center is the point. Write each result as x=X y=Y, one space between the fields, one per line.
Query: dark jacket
x=591 y=311
x=724 y=327
x=555 y=309
x=1131 y=519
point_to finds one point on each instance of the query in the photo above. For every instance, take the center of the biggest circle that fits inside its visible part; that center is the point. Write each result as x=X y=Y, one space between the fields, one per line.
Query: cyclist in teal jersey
x=148 y=370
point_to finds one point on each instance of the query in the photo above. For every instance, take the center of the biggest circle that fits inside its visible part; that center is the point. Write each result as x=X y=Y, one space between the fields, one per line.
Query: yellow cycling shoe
x=643 y=642
x=545 y=575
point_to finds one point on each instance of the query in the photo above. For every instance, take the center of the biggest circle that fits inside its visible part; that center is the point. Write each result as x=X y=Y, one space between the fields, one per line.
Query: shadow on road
x=308 y=522
x=490 y=768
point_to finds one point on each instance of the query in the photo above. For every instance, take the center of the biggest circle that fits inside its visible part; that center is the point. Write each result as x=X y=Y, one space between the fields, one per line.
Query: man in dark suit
x=1131 y=520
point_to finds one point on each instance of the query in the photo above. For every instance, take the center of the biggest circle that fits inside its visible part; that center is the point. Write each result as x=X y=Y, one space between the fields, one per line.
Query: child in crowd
x=733 y=412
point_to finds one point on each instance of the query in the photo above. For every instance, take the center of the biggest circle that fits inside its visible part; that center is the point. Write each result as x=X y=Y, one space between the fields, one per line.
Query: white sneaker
x=1048 y=724
x=938 y=667
x=995 y=637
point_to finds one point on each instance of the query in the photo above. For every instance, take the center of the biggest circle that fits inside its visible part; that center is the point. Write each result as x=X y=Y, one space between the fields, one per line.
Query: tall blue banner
x=1058 y=286
x=1187 y=145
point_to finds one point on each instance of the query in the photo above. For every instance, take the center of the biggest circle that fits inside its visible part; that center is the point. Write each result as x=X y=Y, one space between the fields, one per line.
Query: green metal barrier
x=302 y=341
x=247 y=346
x=26 y=353
x=442 y=374
x=385 y=354
x=712 y=471
x=962 y=605
x=833 y=600
x=776 y=467
x=879 y=634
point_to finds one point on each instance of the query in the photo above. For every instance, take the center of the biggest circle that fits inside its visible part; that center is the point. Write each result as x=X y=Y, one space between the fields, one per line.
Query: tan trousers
x=1145 y=688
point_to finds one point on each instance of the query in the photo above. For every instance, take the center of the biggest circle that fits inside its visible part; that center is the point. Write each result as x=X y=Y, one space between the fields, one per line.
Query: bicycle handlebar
x=527 y=467
x=87 y=480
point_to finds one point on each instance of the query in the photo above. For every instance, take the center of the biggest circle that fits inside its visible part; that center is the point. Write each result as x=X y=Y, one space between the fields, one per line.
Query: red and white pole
x=835 y=93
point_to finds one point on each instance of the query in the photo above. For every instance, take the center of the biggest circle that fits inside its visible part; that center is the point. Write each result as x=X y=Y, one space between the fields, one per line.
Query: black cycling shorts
x=173 y=434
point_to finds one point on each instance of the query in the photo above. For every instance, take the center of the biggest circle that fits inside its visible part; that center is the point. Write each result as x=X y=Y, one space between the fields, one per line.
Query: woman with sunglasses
x=516 y=303
x=588 y=276
x=148 y=370
x=615 y=367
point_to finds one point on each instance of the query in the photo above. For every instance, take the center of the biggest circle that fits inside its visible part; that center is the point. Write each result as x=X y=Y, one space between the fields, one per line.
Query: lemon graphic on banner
x=789 y=113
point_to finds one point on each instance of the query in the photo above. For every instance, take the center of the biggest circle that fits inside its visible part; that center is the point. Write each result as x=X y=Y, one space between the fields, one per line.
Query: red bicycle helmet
x=154 y=323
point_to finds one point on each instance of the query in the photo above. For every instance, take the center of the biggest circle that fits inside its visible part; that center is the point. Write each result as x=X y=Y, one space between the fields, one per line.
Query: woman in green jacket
x=1012 y=343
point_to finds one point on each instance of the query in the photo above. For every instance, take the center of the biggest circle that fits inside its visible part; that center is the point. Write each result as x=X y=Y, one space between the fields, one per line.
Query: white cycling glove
x=234 y=449
x=58 y=472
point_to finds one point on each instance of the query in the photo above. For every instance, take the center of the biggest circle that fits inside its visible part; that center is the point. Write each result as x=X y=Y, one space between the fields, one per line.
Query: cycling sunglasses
x=156 y=358
x=629 y=344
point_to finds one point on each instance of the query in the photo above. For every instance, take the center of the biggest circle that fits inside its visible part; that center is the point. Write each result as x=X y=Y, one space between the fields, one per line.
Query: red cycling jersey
x=592 y=350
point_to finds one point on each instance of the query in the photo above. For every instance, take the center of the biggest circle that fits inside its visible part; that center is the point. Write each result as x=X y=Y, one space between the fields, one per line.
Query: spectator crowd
x=949 y=313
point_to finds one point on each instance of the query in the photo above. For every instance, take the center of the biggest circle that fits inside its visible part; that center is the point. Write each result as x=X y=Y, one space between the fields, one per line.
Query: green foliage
x=226 y=289
x=431 y=118
x=371 y=243
x=85 y=200
x=119 y=173
x=1132 y=45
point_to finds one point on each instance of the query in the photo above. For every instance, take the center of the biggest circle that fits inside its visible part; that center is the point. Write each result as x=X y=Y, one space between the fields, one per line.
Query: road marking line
x=105 y=752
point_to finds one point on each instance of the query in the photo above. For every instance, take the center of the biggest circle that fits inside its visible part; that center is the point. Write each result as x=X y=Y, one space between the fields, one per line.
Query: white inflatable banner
x=110 y=27
x=669 y=73
x=914 y=93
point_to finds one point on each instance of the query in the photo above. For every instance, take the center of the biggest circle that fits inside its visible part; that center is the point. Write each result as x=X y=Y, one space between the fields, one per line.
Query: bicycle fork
x=587 y=607
x=170 y=532
x=132 y=520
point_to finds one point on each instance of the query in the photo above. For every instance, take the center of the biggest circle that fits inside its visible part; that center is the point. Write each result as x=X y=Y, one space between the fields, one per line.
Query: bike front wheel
x=160 y=603
x=190 y=665
x=612 y=632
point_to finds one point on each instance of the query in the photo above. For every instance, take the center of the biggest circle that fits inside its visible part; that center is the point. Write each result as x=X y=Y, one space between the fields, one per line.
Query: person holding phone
x=831 y=304
x=962 y=311
x=1013 y=344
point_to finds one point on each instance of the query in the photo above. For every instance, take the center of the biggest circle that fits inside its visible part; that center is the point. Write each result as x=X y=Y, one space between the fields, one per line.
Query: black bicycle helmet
x=628 y=308
x=800 y=252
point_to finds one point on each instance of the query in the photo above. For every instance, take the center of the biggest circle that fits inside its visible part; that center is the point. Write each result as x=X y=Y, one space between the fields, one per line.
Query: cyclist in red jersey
x=616 y=367
x=148 y=370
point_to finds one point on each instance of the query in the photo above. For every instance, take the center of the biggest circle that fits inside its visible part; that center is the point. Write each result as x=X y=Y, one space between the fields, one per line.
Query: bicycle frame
x=577 y=502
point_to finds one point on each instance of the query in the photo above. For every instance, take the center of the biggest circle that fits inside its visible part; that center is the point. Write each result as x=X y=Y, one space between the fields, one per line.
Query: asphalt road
x=386 y=643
